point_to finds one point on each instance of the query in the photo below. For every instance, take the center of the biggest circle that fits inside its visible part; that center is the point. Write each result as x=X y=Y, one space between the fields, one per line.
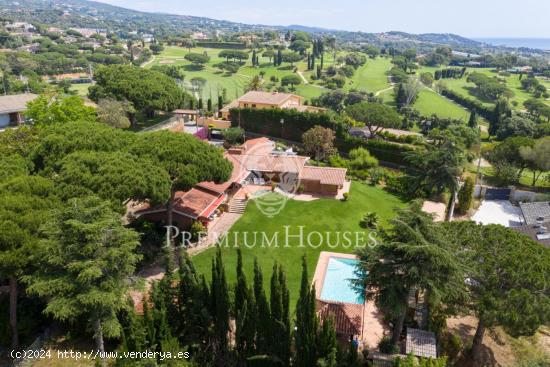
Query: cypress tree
x=306 y=323
x=322 y=60
x=472 y=122
x=263 y=314
x=279 y=57
x=285 y=339
x=219 y=304
x=327 y=345
x=308 y=61
x=312 y=62
x=220 y=102
x=319 y=72
x=201 y=106
x=253 y=57
x=209 y=104
x=192 y=104
x=244 y=314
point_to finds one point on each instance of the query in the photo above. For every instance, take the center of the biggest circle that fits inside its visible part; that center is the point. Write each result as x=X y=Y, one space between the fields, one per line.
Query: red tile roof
x=325 y=175
x=196 y=202
x=347 y=317
x=271 y=98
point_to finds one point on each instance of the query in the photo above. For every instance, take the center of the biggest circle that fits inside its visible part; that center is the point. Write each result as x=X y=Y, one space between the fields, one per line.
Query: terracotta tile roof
x=273 y=163
x=16 y=102
x=325 y=175
x=233 y=104
x=195 y=202
x=347 y=317
x=272 y=98
x=421 y=343
x=237 y=175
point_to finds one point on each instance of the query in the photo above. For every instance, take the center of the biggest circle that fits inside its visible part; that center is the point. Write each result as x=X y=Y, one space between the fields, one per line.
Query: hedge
x=268 y=122
x=470 y=104
x=212 y=44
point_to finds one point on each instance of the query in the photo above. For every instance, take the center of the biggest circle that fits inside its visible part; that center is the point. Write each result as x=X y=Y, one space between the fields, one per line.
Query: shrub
x=465 y=196
x=450 y=345
x=370 y=220
x=362 y=159
x=197 y=228
x=386 y=346
x=345 y=196
x=376 y=175
x=233 y=135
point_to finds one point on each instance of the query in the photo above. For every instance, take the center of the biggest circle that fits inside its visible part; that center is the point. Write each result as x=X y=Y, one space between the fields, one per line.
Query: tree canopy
x=147 y=90
x=375 y=116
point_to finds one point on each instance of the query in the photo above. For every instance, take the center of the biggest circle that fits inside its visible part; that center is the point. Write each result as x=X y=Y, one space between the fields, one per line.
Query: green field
x=81 y=89
x=461 y=86
x=234 y=84
x=323 y=215
x=372 y=76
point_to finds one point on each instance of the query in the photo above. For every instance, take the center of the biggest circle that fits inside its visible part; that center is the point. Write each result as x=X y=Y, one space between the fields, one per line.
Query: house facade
x=12 y=108
x=263 y=100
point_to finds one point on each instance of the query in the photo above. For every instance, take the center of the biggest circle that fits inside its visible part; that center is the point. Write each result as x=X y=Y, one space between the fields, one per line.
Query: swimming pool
x=337 y=284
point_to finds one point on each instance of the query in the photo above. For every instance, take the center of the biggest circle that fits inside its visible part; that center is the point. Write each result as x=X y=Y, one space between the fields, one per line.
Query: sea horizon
x=542 y=43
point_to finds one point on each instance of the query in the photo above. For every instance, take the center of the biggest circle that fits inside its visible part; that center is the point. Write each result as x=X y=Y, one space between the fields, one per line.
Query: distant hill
x=83 y=13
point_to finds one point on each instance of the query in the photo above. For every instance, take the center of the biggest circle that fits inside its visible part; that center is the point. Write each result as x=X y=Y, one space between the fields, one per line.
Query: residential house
x=12 y=108
x=536 y=221
x=263 y=100
x=256 y=162
x=535 y=212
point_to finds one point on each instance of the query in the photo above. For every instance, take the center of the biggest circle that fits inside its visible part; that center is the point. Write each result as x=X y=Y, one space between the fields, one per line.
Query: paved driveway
x=498 y=212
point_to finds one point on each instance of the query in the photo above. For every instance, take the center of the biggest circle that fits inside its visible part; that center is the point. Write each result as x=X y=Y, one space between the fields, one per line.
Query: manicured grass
x=235 y=84
x=461 y=86
x=430 y=102
x=372 y=76
x=81 y=89
x=323 y=215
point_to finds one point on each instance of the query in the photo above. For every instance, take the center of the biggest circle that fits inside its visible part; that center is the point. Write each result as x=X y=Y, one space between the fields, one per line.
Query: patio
x=498 y=212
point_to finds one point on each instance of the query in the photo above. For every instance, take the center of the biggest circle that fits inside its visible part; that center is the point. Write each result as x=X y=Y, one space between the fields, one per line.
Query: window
x=253 y=106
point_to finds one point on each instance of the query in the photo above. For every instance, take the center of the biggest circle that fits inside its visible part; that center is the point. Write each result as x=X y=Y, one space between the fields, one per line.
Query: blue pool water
x=337 y=286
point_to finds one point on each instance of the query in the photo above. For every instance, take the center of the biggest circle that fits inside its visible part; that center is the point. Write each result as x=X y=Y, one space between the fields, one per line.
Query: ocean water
x=539 y=43
x=337 y=285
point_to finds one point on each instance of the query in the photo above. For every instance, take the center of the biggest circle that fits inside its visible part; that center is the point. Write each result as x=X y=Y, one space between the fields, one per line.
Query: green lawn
x=430 y=102
x=81 y=89
x=372 y=76
x=323 y=215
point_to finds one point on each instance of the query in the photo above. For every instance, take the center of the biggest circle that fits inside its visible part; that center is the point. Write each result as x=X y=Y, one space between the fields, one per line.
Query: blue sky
x=470 y=18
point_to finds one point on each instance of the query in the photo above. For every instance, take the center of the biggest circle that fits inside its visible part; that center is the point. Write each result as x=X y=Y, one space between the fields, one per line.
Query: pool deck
x=373 y=327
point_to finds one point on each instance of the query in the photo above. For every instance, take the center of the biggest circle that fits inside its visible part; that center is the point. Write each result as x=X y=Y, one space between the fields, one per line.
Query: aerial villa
x=257 y=164
x=267 y=100
x=354 y=316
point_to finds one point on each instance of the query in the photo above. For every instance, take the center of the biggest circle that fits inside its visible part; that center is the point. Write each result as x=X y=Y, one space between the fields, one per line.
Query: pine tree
x=306 y=323
x=472 y=122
